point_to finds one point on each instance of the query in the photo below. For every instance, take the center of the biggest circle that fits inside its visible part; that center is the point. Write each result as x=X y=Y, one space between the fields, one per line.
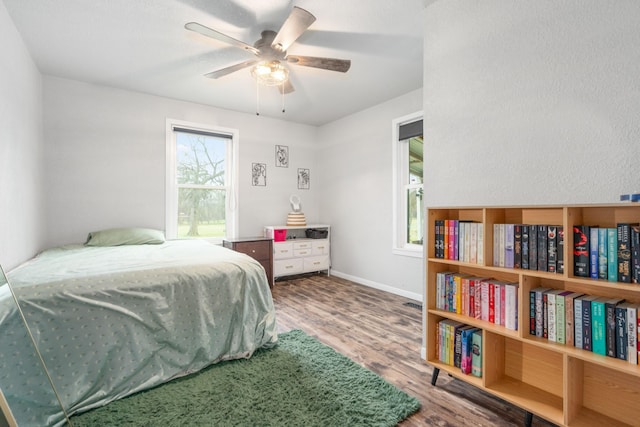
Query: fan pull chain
x=282 y=97
x=257 y=98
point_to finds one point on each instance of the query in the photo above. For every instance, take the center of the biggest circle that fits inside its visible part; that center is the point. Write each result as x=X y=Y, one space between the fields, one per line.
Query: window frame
x=400 y=166
x=231 y=178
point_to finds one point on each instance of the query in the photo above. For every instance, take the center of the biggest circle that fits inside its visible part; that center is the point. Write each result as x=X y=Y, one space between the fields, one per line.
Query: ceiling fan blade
x=296 y=24
x=228 y=70
x=286 y=87
x=332 y=64
x=206 y=31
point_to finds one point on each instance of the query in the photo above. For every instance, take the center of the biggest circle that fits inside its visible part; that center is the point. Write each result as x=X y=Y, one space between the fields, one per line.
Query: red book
x=503 y=311
x=492 y=302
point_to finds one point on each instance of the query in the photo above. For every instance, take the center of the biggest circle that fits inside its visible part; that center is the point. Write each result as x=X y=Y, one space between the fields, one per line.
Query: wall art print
x=259 y=174
x=282 y=156
x=303 y=179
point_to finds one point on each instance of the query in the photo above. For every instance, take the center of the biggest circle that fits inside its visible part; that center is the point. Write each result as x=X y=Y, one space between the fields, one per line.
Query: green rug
x=299 y=382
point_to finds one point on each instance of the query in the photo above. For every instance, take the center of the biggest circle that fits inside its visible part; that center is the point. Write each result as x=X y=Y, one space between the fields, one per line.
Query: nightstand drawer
x=257 y=250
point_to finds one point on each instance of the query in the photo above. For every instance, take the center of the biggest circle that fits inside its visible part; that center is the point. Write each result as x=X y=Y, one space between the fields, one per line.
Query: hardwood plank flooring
x=379 y=331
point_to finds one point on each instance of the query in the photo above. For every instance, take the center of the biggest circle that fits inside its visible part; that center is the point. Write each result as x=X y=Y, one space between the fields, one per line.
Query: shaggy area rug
x=299 y=382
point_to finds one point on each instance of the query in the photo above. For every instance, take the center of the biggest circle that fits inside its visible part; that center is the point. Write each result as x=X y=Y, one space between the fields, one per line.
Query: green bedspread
x=111 y=321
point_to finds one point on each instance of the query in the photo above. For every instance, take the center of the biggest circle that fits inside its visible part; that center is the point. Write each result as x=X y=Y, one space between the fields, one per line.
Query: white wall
x=105 y=157
x=531 y=102
x=356 y=197
x=105 y=167
x=21 y=144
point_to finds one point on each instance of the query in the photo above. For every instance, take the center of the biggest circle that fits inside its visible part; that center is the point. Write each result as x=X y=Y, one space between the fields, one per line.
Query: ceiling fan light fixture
x=270 y=73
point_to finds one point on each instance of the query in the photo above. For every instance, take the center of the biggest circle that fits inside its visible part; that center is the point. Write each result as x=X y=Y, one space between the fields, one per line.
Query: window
x=408 y=212
x=201 y=181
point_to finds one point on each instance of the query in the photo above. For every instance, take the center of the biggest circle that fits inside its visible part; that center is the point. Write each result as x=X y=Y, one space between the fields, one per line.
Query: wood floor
x=380 y=331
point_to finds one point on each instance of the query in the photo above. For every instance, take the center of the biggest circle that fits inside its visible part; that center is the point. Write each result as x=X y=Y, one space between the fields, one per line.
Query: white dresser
x=298 y=253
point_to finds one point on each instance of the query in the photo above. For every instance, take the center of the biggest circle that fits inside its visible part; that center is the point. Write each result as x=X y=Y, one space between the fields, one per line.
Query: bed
x=112 y=321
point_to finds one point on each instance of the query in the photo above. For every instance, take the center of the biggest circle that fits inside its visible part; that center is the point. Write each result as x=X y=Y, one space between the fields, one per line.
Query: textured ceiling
x=141 y=45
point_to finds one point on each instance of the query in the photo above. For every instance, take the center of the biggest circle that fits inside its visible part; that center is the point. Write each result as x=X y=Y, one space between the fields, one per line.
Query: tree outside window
x=200 y=173
x=413 y=192
x=408 y=204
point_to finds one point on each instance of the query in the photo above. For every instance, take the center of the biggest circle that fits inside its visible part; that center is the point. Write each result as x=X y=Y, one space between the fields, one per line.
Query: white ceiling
x=142 y=45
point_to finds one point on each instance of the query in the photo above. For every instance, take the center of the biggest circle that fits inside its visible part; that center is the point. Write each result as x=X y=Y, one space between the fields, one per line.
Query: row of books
x=482 y=298
x=611 y=254
x=606 y=326
x=459 y=240
x=460 y=345
x=529 y=247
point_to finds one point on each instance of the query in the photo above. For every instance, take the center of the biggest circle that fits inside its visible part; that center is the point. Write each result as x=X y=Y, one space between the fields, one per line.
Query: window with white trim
x=408 y=212
x=201 y=181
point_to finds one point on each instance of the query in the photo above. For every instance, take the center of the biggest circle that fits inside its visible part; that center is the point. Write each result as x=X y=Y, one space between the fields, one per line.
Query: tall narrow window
x=408 y=185
x=200 y=181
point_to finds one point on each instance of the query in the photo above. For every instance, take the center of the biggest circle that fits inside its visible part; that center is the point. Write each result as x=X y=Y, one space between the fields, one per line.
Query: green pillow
x=125 y=236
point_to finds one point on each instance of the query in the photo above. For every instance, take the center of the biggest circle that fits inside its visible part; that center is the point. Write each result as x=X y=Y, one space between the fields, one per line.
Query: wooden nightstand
x=258 y=248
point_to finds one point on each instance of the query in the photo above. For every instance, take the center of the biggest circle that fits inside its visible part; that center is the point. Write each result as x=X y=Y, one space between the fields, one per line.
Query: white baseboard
x=380 y=286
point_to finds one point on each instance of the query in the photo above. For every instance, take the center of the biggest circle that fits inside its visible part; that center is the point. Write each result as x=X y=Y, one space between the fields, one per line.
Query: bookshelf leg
x=528 y=419
x=434 y=376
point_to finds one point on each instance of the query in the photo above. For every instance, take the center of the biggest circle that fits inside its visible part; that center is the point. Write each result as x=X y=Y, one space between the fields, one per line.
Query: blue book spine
x=612 y=254
x=603 y=265
x=593 y=253
x=467 y=334
x=598 y=327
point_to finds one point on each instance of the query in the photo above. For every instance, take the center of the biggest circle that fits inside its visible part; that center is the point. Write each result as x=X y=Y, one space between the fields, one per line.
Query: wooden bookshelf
x=563 y=384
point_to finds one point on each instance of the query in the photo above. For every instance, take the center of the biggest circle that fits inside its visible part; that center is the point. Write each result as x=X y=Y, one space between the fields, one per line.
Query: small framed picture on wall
x=259 y=174
x=303 y=179
x=282 y=156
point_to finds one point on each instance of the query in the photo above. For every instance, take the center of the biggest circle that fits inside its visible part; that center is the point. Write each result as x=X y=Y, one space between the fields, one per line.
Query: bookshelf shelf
x=486 y=326
x=589 y=418
x=539 y=402
x=476 y=381
x=557 y=381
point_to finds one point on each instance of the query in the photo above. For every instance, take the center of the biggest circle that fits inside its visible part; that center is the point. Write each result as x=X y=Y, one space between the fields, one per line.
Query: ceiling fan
x=271 y=52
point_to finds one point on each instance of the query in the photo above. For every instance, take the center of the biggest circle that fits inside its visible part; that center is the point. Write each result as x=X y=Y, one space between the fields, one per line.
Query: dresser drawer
x=282 y=250
x=316 y=263
x=257 y=250
x=301 y=245
x=301 y=252
x=320 y=247
x=288 y=266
